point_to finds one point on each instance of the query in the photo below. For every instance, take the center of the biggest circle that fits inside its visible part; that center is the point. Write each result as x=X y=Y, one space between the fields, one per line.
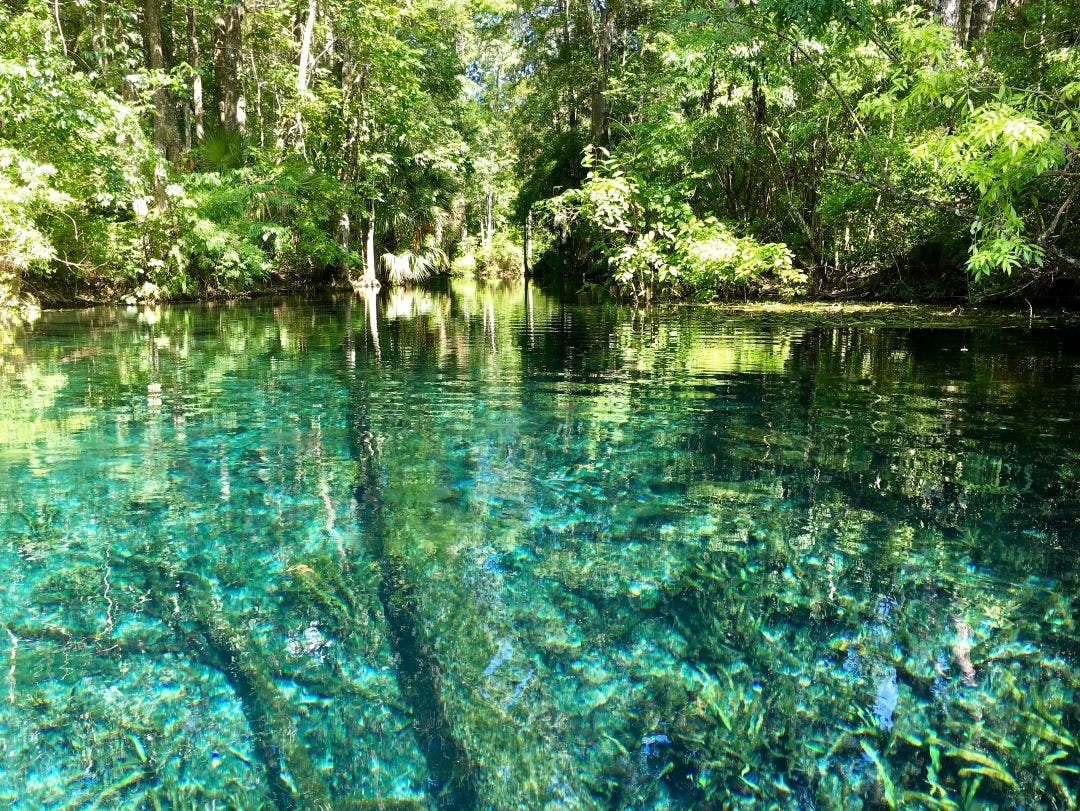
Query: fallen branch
x=294 y=782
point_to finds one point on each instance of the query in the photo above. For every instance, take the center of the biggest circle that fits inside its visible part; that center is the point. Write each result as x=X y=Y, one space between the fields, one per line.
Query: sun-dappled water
x=486 y=548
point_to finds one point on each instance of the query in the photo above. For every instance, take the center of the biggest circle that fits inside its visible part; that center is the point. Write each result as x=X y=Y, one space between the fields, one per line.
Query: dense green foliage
x=158 y=149
x=875 y=139
x=155 y=149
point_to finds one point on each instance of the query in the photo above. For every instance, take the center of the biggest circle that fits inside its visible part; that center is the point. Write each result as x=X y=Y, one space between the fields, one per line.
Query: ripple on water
x=671 y=558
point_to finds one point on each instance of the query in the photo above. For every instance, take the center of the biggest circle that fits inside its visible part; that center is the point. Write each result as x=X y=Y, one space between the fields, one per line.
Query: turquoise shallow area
x=486 y=548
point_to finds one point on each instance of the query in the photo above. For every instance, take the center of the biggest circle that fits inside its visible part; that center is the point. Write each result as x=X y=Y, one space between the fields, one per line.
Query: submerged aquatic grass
x=484 y=548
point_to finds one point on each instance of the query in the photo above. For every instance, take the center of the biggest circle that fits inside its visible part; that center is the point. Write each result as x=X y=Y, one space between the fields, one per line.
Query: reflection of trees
x=605 y=559
x=147 y=592
x=875 y=521
x=808 y=584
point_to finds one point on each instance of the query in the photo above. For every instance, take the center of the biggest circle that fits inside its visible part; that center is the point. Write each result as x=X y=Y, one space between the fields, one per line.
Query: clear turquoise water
x=489 y=549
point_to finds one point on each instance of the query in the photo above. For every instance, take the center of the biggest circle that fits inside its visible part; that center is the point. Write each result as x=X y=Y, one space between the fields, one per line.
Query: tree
x=860 y=136
x=165 y=132
x=228 y=49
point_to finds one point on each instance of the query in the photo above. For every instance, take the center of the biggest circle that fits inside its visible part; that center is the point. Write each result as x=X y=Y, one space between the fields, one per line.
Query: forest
x=868 y=149
x=569 y=404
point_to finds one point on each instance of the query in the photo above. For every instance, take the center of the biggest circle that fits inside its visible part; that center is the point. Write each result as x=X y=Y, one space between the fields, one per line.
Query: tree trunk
x=603 y=64
x=59 y=26
x=168 y=44
x=232 y=106
x=307 y=34
x=963 y=21
x=166 y=133
x=949 y=11
x=489 y=219
x=305 y=47
x=982 y=14
x=99 y=38
x=196 y=76
x=344 y=237
x=370 y=279
x=526 y=247
x=572 y=113
x=259 y=117
x=168 y=52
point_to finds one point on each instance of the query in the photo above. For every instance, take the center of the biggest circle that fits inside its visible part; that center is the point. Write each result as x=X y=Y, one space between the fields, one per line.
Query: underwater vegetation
x=497 y=551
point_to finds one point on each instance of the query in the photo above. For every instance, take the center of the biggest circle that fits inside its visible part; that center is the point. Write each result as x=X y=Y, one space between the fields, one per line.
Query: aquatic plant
x=503 y=551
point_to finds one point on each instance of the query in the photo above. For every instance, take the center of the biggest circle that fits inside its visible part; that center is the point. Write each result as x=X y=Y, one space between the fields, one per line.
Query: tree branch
x=824 y=74
x=1060 y=213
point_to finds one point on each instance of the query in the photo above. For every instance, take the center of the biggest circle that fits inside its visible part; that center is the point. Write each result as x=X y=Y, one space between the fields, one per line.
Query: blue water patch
x=501 y=657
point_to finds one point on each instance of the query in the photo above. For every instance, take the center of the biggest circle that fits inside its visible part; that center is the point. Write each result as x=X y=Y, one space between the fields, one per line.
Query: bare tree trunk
x=603 y=59
x=982 y=14
x=572 y=112
x=489 y=218
x=168 y=44
x=196 y=76
x=526 y=247
x=306 y=36
x=259 y=117
x=305 y=47
x=59 y=26
x=166 y=133
x=232 y=106
x=344 y=237
x=963 y=21
x=949 y=11
x=168 y=50
x=370 y=279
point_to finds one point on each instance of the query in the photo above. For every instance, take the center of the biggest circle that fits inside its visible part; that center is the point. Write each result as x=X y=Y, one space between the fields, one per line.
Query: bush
x=501 y=258
x=654 y=243
x=714 y=262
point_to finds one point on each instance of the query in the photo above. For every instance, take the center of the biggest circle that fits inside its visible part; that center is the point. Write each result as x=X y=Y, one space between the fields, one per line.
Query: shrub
x=501 y=258
x=713 y=261
x=654 y=243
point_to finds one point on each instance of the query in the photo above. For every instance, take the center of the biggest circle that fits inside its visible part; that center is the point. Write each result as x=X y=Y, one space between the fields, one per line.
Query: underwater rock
x=940 y=687
x=655 y=749
x=519 y=688
x=506 y=650
x=853 y=663
x=653 y=744
x=310 y=642
x=885 y=703
x=961 y=648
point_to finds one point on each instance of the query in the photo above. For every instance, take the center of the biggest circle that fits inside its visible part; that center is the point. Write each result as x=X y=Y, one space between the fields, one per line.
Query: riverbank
x=799 y=313
x=888 y=314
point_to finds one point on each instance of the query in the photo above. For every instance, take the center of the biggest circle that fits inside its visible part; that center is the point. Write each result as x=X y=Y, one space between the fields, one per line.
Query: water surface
x=487 y=549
